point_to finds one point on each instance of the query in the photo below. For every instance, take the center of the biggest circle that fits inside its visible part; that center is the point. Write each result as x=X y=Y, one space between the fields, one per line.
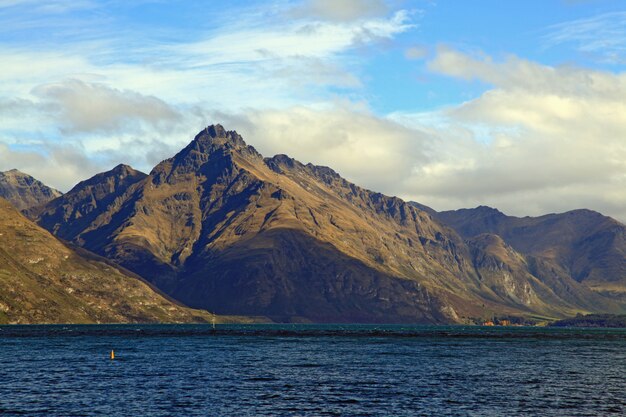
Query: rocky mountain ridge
x=219 y=226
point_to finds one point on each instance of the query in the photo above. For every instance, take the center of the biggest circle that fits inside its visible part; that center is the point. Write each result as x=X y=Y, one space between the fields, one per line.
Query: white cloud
x=444 y=159
x=89 y=107
x=556 y=139
x=515 y=73
x=542 y=139
x=114 y=93
x=364 y=148
x=341 y=10
x=55 y=165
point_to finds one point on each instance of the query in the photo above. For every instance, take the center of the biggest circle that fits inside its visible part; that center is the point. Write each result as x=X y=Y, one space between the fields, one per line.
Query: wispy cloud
x=244 y=57
x=304 y=38
x=49 y=6
x=603 y=36
x=97 y=84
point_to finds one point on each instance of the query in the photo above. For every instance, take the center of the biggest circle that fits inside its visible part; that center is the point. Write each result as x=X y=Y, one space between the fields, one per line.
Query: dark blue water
x=184 y=370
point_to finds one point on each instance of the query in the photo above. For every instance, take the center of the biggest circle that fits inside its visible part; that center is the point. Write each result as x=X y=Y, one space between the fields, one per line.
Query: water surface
x=256 y=370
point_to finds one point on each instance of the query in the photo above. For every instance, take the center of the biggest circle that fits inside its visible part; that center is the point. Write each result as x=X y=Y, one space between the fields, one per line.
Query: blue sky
x=518 y=105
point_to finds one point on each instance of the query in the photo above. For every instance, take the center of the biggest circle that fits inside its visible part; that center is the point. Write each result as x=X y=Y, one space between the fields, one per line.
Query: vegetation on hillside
x=593 y=320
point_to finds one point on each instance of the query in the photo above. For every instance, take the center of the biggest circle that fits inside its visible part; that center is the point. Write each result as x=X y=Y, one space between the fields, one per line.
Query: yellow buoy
x=112 y=355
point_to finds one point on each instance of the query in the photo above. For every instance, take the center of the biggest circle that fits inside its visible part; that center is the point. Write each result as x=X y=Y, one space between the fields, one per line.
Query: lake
x=351 y=370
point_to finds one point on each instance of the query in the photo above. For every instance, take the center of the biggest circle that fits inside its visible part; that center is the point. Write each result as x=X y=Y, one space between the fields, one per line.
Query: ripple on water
x=310 y=370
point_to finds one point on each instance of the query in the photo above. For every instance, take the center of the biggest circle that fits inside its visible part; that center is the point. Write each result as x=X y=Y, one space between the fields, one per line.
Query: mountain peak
x=123 y=170
x=119 y=173
x=218 y=135
x=24 y=191
x=279 y=162
x=17 y=174
x=487 y=209
x=216 y=131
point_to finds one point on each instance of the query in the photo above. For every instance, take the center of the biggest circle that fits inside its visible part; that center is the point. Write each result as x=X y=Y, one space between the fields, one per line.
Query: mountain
x=44 y=281
x=219 y=226
x=581 y=244
x=25 y=192
x=525 y=280
x=79 y=211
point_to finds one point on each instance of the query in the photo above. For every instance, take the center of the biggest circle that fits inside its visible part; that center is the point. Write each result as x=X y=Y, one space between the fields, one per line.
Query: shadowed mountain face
x=25 y=192
x=582 y=245
x=43 y=281
x=220 y=227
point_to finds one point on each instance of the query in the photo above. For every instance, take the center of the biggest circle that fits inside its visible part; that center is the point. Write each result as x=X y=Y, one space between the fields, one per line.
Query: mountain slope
x=220 y=227
x=524 y=280
x=583 y=244
x=23 y=191
x=79 y=210
x=43 y=281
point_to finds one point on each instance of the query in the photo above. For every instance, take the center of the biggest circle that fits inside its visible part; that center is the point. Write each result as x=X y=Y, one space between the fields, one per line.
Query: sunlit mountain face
x=220 y=227
x=418 y=108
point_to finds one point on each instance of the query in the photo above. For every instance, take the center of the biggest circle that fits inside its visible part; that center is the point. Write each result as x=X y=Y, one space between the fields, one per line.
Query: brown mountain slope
x=583 y=244
x=220 y=227
x=43 y=281
x=23 y=191
x=527 y=281
x=80 y=209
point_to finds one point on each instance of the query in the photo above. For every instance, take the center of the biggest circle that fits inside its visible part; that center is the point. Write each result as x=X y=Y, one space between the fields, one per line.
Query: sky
x=519 y=105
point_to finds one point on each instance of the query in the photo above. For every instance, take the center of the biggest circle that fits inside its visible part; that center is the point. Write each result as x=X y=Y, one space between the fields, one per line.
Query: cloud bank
x=92 y=107
x=536 y=139
x=541 y=139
